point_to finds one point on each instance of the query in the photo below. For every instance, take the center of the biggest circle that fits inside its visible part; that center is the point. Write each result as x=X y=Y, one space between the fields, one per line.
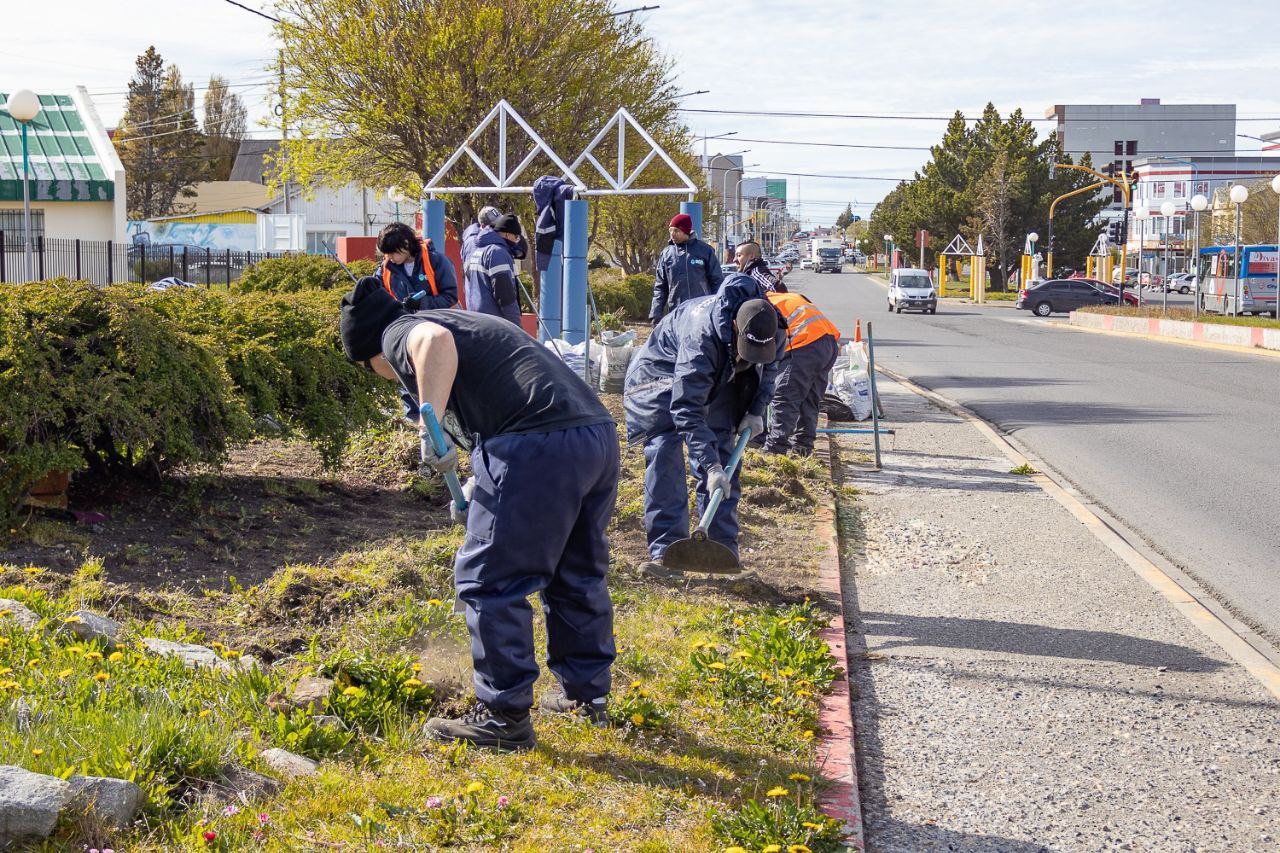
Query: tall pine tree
x=158 y=139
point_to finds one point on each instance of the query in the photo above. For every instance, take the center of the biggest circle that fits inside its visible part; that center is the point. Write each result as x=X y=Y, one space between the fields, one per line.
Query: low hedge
x=295 y=273
x=117 y=381
x=631 y=295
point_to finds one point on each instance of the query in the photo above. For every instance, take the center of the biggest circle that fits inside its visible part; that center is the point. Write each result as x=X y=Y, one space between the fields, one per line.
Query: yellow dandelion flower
x=33 y=663
x=808 y=824
x=101 y=677
x=773 y=848
x=93 y=655
x=475 y=787
x=5 y=670
x=735 y=849
x=697 y=644
x=787 y=673
x=66 y=673
x=808 y=734
x=4 y=641
x=204 y=712
x=37 y=752
x=798 y=848
x=116 y=657
x=216 y=646
x=644 y=694
x=635 y=685
x=637 y=719
x=230 y=655
x=798 y=777
x=738 y=620
x=434 y=602
x=417 y=667
x=6 y=612
x=412 y=682
x=777 y=700
x=777 y=792
x=33 y=570
x=741 y=654
x=803 y=693
x=716 y=665
x=353 y=691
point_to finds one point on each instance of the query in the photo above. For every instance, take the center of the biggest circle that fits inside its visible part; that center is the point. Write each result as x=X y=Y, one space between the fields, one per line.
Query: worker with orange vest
x=415 y=274
x=813 y=342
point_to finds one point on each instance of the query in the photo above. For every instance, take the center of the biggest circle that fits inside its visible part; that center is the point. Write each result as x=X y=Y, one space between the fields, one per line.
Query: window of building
x=1117 y=197
x=1130 y=147
x=1119 y=146
x=323 y=242
x=1159 y=189
x=1200 y=188
x=11 y=225
x=1117 y=169
x=1179 y=189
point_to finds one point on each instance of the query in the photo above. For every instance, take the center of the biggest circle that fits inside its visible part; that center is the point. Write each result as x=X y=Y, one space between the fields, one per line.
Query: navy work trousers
x=802 y=381
x=537 y=524
x=666 y=496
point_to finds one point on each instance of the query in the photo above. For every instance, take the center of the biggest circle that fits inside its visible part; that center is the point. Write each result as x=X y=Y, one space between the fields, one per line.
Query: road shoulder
x=1017 y=685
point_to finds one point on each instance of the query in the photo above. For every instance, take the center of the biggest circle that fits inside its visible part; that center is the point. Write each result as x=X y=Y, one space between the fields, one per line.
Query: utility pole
x=284 y=135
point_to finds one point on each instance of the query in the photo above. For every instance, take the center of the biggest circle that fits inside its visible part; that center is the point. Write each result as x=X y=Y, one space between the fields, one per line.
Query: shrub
x=283 y=353
x=294 y=273
x=629 y=295
x=94 y=378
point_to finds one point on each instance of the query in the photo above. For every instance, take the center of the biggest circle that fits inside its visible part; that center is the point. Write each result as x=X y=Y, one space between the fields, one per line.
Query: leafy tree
x=225 y=121
x=417 y=75
x=158 y=140
x=845 y=219
x=994 y=214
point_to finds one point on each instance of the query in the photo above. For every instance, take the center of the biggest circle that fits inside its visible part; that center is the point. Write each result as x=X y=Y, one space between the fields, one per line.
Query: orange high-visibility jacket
x=426 y=268
x=805 y=323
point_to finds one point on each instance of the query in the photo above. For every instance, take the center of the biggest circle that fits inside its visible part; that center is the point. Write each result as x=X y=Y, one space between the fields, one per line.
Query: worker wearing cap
x=688 y=268
x=413 y=271
x=488 y=215
x=544 y=454
x=704 y=375
x=813 y=342
x=491 y=274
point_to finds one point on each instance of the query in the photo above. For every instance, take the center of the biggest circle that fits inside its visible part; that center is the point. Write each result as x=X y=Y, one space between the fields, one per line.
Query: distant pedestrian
x=688 y=268
x=492 y=280
x=813 y=342
x=488 y=216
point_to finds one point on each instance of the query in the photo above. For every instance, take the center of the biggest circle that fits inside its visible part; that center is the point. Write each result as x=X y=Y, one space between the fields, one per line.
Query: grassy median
x=1186 y=314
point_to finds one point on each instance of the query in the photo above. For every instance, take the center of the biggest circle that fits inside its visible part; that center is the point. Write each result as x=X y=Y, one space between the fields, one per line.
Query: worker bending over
x=813 y=342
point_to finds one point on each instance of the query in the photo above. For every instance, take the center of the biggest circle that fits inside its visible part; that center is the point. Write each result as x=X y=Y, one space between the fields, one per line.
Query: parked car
x=1064 y=295
x=1182 y=282
x=776 y=267
x=728 y=268
x=912 y=289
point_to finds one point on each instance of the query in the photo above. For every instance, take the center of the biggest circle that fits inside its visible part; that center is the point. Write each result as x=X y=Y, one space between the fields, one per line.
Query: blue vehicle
x=1252 y=292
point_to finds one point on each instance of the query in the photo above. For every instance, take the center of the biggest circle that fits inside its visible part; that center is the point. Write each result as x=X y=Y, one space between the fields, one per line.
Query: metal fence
x=109 y=262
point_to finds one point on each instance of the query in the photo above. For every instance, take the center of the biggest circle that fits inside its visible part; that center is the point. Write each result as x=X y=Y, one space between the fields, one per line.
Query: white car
x=912 y=289
x=1182 y=282
x=806 y=263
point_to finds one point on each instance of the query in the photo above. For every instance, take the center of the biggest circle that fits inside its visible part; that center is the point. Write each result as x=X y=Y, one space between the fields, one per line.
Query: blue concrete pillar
x=575 y=271
x=551 y=299
x=433 y=222
x=694 y=209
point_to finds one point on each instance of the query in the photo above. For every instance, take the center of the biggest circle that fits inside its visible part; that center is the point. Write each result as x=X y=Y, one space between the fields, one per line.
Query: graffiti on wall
x=215 y=236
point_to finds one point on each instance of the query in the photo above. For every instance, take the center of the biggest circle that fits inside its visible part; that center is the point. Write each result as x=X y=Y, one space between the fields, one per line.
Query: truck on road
x=826 y=254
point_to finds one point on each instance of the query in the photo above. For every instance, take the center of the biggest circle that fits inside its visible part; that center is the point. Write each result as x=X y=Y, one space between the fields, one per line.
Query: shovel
x=698 y=553
x=434 y=444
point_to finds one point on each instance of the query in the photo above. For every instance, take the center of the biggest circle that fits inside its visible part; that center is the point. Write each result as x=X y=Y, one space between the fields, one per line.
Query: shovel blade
x=700 y=554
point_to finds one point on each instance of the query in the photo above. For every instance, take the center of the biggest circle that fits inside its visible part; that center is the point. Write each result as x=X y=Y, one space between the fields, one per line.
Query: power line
x=255 y=11
x=966 y=119
x=1138 y=155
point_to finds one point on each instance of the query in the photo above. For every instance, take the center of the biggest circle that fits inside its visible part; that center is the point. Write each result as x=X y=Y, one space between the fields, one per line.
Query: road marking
x=1231 y=640
x=1161 y=339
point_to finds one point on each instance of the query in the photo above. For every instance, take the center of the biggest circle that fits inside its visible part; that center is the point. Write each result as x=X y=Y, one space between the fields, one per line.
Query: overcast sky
x=921 y=57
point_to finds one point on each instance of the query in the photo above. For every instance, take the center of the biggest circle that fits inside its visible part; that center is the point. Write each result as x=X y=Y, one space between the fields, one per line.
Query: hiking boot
x=657 y=571
x=486 y=727
x=595 y=712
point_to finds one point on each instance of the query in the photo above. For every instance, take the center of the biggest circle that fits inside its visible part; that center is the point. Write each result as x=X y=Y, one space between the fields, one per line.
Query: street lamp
x=1275 y=186
x=395 y=195
x=24 y=105
x=737 y=197
x=1167 y=210
x=1142 y=214
x=723 y=192
x=888 y=247
x=1198 y=204
x=1239 y=195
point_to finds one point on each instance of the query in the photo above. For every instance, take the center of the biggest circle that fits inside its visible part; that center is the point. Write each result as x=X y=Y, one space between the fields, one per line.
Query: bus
x=1220 y=292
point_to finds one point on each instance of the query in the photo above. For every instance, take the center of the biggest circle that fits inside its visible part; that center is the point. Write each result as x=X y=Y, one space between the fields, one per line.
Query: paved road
x=1180 y=443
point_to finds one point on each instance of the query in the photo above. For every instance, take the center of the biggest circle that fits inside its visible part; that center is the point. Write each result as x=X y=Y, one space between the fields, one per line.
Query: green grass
x=1180 y=314
x=1024 y=470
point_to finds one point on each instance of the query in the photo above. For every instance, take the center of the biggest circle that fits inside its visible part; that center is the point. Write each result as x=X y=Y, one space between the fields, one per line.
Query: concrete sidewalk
x=1016 y=686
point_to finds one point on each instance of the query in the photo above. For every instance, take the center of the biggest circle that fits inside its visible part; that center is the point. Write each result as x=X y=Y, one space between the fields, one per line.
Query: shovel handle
x=436 y=434
x=718 y=495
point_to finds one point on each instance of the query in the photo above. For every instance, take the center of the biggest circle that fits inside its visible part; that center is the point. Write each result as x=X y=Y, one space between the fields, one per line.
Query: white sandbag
x=853 y=388
x=574 y=354
x=616 y=349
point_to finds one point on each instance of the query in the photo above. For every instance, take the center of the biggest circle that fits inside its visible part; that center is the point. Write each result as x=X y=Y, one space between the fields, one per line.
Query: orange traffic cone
x=857 y=331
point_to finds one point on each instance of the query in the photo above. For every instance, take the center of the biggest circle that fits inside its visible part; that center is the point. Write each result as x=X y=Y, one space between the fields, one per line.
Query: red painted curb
x=836 y=761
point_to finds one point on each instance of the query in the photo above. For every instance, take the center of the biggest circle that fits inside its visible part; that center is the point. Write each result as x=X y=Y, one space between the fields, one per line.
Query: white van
x=912 y=289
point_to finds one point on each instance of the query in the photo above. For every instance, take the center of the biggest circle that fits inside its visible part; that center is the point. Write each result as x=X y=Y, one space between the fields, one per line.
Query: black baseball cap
x=758 y=330
x=367 y=310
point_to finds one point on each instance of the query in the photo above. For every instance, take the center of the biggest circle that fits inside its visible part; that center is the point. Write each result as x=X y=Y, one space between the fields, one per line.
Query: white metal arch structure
x=620 y=183
x=502 y=178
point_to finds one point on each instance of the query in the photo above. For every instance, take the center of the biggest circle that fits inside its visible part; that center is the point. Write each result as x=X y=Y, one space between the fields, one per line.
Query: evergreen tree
x=158 y=140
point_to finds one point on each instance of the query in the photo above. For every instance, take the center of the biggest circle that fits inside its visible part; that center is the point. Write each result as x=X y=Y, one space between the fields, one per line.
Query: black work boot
x=657 y=571
x=595 y=712
x=486 y=727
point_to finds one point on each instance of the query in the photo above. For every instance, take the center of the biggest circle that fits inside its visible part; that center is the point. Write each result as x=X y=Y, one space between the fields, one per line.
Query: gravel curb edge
x=836 y=760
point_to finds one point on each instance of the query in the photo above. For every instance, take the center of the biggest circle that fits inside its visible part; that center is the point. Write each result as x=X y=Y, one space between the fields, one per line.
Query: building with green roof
x=77 y=181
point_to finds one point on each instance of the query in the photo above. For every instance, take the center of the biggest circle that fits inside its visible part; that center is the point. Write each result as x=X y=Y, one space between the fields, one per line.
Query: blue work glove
x=717 y=479
x=459 y=516
x=755 y=423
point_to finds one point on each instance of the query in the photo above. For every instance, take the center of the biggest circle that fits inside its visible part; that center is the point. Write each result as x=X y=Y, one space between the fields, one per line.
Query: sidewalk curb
x=1261 y=340
x=1184 y=600
x=836 y=760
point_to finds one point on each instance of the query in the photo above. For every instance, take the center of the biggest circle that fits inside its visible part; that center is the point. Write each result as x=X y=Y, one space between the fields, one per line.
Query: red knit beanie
x=683 y=221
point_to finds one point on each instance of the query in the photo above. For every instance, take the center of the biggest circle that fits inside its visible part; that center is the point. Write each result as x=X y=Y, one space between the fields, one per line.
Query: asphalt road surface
x=1180 y=443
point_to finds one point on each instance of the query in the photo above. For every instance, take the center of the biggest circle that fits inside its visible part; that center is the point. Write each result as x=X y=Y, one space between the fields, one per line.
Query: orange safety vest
x=805 y=323
x=426 y=268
